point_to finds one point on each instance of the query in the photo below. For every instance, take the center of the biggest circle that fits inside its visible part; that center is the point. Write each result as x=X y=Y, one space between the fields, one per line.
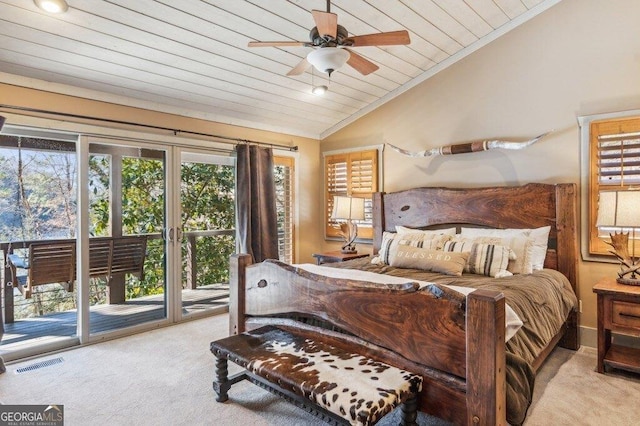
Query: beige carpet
x=164 y=377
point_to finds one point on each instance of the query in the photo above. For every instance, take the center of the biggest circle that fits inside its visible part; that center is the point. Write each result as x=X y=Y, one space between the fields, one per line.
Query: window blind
x=284 y=179
x=619 y=159
x=353 y=174
x=615 y=164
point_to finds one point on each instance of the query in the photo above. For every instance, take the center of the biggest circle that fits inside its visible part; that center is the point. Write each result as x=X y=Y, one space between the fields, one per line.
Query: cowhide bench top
x=347 y=384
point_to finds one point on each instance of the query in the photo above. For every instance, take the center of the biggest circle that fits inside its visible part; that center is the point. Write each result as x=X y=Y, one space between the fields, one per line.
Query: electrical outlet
x=580 y=305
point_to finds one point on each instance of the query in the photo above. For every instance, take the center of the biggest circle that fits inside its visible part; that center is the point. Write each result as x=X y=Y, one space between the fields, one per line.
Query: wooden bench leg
x=409 y=414
x=222 y=384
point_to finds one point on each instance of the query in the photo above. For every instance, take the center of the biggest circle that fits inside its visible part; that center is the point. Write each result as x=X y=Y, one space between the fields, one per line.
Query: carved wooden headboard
x=528 y=206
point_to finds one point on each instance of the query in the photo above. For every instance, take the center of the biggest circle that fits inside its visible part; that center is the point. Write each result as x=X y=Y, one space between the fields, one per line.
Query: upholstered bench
x=342 y=387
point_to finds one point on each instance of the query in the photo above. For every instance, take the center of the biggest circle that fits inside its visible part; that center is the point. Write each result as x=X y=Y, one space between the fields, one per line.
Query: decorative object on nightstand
x=618 y=312
x=348 y=209
x=621 y=209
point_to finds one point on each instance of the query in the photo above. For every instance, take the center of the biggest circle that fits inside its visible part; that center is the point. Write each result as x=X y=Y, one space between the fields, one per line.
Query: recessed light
x=319 y=90
x=52 y=6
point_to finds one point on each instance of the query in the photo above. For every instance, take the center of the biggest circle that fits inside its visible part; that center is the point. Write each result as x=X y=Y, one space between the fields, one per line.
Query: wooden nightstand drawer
x=625 y=314
x=618 y=312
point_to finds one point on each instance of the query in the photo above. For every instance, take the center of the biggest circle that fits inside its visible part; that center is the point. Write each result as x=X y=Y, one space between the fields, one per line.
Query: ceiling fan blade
x=381 y=39
x=276 y=43
x=300 y=68
x=326 y=22
x=360 y=64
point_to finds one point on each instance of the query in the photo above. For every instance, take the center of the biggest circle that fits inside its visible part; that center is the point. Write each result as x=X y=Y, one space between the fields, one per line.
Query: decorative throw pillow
x=406 y=256
x=529 y=245
x=392 y=239
x=484 y=259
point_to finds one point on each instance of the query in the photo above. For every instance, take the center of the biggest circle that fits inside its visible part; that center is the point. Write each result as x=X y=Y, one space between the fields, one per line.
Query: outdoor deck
x=28 y=331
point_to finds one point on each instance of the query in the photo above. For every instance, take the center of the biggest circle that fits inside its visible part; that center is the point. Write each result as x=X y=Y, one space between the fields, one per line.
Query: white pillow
x=540 y=242
x=529 y=245
x=406 y=230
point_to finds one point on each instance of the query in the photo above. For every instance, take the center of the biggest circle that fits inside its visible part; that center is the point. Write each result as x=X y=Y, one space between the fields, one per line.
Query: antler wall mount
x=464 y=148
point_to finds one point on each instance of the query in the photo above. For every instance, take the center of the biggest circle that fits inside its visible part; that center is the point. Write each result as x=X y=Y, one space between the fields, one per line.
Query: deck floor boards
x=28 y=331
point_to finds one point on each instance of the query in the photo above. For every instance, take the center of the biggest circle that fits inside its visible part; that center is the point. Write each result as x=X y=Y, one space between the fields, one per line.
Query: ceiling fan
x=331 y=43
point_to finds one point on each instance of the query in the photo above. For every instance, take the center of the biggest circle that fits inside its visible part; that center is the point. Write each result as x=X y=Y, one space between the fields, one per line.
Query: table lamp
x=348 y=209
x=621 y=209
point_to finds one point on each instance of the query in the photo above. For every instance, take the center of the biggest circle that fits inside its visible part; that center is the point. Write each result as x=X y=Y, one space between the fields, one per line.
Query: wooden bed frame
x=457 y=347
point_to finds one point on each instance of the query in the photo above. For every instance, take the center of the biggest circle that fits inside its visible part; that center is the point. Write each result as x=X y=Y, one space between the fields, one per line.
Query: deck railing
x=191 y=267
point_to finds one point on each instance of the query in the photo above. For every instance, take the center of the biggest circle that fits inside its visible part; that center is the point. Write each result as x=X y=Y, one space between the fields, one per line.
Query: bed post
x=567 y=248
x=237 y=288
x=486 y=358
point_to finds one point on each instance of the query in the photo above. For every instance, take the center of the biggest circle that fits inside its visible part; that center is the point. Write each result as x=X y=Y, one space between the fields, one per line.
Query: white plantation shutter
x=615 y=164
x=284 y=176
x=352 y=174
x=619 y=159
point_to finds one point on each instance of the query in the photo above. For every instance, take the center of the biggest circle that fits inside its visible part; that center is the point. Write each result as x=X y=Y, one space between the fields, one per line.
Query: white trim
x=584 y=122
x=82 y=239
x=380 y=148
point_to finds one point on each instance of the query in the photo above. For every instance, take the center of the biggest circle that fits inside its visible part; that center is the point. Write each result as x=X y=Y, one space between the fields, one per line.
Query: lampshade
x=319 y=90
x=52 y=6
x=348 y=208
x=328 y=59
x=619 y=209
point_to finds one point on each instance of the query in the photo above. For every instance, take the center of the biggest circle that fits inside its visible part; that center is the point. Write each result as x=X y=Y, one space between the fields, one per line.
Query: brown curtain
x=256 y=223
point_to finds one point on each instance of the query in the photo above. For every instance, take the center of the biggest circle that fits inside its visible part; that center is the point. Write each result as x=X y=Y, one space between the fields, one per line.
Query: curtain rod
x=225 y=139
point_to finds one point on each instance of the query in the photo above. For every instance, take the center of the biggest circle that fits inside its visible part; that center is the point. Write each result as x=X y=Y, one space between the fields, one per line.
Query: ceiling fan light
x=319 y=90
x=52 y=6
x=328 y=59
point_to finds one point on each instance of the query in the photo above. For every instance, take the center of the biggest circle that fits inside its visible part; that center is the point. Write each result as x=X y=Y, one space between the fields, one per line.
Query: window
x=352 y=174
x=614 y=163
x=284 y=177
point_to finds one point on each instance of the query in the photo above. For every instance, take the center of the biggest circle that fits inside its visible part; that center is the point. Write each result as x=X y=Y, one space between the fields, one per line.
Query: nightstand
x=336 y=256
x=619 y=312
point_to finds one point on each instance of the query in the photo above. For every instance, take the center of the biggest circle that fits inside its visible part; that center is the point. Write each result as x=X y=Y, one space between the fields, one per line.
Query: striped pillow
x=484 y=259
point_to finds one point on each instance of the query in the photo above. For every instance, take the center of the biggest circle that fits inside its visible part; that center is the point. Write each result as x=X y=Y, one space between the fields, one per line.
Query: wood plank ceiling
x=191 y=57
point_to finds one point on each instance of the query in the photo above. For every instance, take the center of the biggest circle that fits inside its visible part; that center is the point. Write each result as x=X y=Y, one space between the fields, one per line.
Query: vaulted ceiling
x=191 y=57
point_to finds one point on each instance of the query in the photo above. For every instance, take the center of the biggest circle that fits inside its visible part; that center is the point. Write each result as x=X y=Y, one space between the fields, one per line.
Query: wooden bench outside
x=341 y=386
x=47 y=263
x=55 y=262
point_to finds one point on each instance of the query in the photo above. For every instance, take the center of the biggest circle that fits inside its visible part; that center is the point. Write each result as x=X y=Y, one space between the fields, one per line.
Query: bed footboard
x=457 y=346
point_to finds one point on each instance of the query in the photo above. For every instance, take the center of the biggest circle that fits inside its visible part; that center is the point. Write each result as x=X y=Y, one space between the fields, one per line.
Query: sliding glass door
x=206 y=227
x=127 y=221
x=38 y=187
x=143 y=232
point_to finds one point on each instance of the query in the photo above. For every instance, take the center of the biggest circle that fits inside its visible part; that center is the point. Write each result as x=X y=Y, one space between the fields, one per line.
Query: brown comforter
x=542 y=300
